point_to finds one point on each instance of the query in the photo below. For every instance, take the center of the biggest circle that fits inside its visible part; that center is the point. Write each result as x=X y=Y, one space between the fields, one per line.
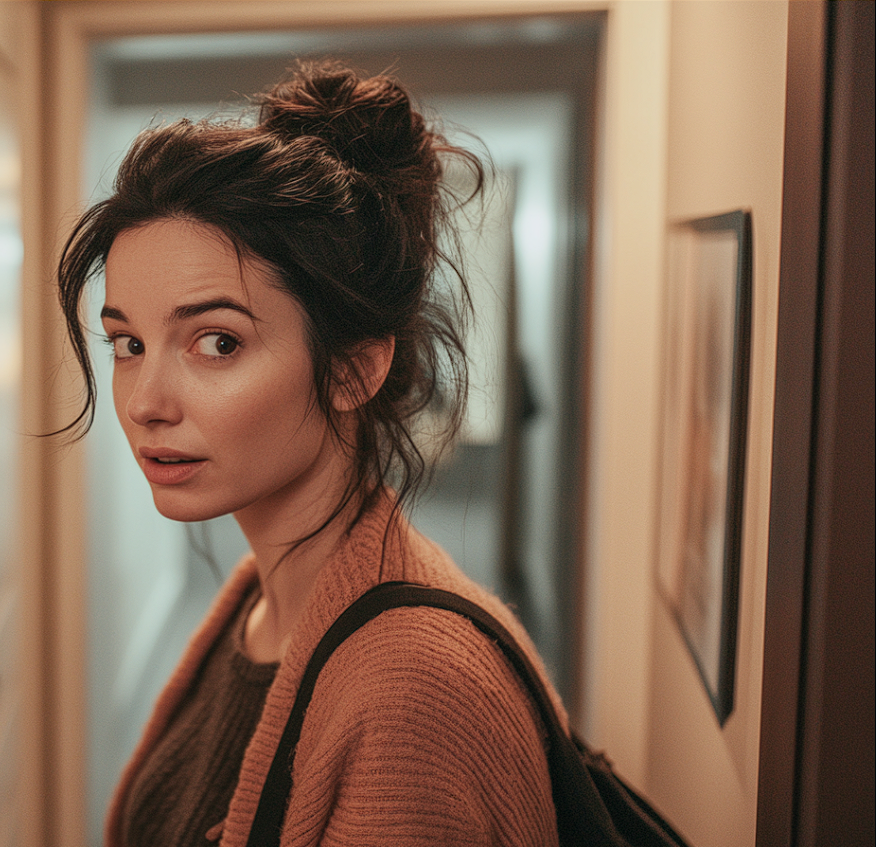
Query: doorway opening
x=506 y=503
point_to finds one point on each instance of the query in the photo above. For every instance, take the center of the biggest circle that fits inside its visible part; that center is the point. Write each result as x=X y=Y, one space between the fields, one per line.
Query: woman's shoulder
x=419 y=704
x=429 y=666
x=419 y=727
x=431 y=645
x=420 y=640
x=419 y=721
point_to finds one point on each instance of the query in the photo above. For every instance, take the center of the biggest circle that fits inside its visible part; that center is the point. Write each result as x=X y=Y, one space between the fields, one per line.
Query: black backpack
x=595 y=808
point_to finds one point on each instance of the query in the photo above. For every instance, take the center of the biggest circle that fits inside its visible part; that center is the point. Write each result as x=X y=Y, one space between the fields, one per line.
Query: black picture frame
x=705 y=424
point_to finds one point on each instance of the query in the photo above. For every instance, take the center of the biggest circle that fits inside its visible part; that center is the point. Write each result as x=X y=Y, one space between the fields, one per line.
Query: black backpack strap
x=582 y=814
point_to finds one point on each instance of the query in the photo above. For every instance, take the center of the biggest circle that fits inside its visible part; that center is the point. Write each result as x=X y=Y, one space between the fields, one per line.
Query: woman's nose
x=155 y=394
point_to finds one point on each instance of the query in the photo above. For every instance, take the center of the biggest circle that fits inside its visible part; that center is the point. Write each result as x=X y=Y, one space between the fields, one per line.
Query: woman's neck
x=291 y=546
x=285 y=590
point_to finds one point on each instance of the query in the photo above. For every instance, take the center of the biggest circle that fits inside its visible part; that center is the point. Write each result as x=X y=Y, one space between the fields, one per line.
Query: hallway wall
x=693 y=125
x=724 y=151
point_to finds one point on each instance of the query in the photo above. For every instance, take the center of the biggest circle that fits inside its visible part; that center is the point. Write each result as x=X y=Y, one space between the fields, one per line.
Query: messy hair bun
x=339 y=189
x=368 y=122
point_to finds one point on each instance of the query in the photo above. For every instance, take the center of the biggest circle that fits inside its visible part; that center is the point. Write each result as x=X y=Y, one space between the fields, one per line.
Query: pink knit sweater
x=418 y=733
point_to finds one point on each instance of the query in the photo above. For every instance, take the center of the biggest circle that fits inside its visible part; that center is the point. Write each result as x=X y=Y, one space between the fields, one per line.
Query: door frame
x=816 y=775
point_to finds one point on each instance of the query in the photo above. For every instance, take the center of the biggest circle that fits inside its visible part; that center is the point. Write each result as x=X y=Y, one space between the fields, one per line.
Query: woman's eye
x=216 y=344
x=126 y=346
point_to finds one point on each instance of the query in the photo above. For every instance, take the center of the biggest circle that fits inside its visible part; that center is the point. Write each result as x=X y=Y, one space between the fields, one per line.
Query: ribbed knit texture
x=184 y=787
x=418 y=733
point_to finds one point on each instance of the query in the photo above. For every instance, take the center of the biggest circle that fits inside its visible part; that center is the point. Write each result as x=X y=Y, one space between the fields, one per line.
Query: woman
x=271 y=310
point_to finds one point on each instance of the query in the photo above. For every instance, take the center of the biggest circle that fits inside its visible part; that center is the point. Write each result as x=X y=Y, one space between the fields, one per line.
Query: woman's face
x=213 y=379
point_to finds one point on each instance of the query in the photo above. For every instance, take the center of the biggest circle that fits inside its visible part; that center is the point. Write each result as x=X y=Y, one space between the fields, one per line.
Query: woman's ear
x=360 y=378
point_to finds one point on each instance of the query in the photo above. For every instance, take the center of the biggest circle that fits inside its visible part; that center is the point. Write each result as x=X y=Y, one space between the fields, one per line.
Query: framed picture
x=705 y=420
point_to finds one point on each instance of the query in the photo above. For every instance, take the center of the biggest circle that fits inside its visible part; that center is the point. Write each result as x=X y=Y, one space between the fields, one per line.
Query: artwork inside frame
x=705 y=422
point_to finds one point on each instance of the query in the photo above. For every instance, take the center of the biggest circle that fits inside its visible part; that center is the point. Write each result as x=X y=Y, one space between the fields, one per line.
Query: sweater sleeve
x=419 y=733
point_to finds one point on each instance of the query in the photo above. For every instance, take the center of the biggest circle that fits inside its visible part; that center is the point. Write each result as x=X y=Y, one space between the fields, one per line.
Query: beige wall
x=622 y=399
x=711 y=83
x=694 y=125
x=726 y=138
x=725 y=151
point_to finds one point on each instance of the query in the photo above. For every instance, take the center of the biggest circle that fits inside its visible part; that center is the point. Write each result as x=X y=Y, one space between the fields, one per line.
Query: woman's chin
x=176 y=509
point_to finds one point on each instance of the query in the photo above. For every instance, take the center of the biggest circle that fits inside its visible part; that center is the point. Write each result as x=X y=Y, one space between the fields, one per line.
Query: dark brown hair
x=339 y=189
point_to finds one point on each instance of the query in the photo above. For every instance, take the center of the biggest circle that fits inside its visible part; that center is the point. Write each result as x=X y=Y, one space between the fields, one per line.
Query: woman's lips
x=169 y=467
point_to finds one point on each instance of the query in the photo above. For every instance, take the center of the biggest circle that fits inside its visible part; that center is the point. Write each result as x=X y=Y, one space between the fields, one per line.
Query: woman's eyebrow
x=189 y=310
x=192 y=310
x=113 y=314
